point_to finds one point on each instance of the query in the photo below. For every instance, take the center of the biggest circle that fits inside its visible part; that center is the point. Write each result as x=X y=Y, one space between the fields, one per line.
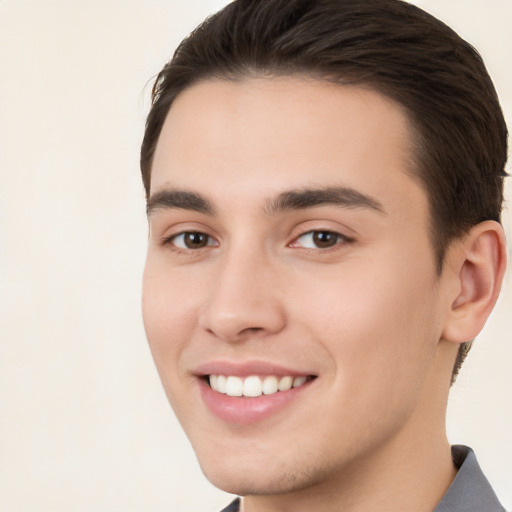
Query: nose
x=243 y=300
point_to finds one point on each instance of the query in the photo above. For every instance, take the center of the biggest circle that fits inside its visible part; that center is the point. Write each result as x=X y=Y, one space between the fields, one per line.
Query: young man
x=324 y=183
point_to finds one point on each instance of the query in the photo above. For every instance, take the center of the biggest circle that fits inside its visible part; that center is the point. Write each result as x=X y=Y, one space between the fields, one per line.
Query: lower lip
x=245 y=410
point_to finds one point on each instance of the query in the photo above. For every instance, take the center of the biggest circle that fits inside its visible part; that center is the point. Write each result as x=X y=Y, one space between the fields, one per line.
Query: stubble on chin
x=270 y=480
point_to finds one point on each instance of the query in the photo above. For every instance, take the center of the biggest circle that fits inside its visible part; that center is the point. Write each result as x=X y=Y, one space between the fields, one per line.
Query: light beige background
x=84 y=424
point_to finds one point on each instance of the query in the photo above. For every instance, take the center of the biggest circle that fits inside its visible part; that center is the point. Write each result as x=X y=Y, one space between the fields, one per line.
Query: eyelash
x=170 y=241
x=340 y=240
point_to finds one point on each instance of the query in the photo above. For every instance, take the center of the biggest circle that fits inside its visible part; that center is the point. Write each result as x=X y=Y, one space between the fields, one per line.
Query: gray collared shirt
x=470 y=491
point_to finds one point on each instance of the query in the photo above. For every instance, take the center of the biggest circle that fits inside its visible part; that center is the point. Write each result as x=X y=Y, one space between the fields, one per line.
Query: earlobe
x=479 y=266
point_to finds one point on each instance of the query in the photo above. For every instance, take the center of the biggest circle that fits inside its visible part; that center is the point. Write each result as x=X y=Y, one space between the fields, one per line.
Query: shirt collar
x=470 y=491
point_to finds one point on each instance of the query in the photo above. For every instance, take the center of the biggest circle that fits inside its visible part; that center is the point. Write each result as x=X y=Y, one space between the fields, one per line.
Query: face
x=291 y=300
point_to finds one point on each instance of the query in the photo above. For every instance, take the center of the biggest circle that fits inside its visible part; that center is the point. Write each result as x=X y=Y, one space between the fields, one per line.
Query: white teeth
x=234 y=386
x=221 y=384
x=254 y=386
x=285 y=383
x=298 y=381
x=270 y=385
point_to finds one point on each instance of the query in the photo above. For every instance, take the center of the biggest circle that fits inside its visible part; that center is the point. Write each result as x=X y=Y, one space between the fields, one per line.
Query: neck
x=399 y=478
x=411 y=471
x=415 y=482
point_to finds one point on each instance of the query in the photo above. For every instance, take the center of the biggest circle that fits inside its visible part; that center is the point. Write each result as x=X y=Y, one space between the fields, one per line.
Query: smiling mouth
x=254 y=386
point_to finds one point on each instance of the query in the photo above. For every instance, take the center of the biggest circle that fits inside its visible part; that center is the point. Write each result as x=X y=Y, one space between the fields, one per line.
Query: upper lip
x=247 y=368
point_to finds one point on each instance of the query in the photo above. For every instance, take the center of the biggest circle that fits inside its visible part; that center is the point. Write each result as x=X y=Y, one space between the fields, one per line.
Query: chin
x=245 y=485
x=261 y=479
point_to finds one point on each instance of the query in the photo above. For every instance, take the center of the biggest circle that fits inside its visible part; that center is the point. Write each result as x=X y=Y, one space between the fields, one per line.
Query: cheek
x=376 y=325
x=169 y=321
x=168 y=314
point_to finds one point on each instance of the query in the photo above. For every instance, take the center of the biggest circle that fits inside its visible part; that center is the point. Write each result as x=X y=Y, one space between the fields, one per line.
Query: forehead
x=255 y=137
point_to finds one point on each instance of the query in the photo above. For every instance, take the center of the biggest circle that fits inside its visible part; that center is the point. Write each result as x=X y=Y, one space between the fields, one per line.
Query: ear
x=478 y=264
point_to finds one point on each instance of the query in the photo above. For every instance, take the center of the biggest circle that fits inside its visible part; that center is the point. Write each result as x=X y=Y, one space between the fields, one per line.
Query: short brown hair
x=390 y=46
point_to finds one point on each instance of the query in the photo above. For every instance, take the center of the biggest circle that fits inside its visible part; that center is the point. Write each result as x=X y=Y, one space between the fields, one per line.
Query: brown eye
x=325 y=239
x=320 y=239
x=192 y=240
x=195 y=240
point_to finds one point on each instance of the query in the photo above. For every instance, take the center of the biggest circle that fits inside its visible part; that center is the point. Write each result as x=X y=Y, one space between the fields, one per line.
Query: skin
x=369 y=316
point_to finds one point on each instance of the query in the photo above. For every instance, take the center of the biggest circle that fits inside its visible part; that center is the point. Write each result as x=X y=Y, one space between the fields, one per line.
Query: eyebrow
x=301 y=199
x=179 y=199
